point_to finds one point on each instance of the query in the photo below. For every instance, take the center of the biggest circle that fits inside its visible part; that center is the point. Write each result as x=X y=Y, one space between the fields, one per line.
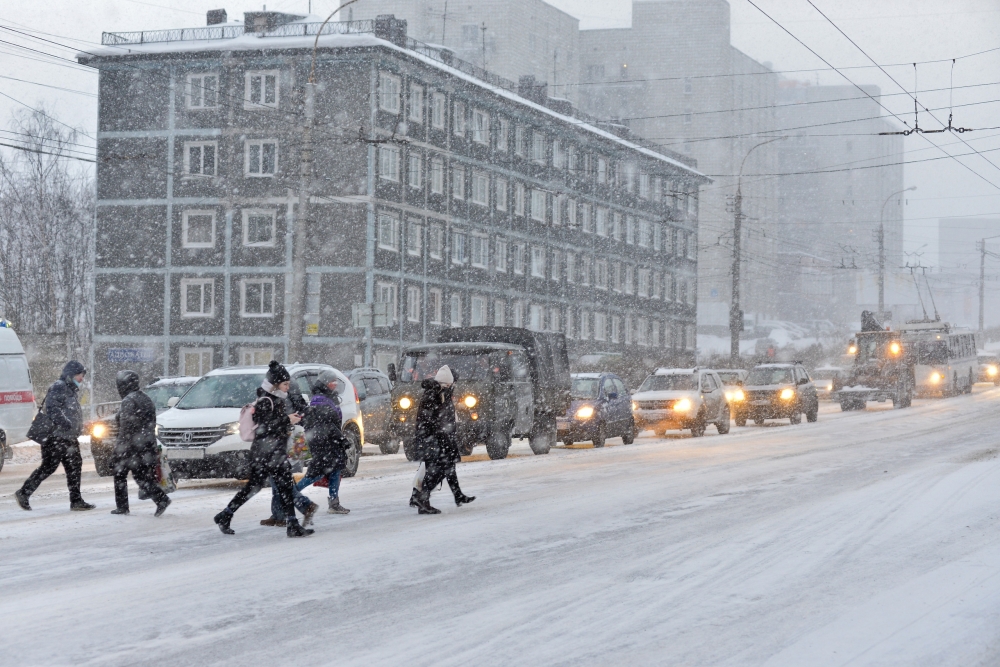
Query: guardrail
x=233 y=31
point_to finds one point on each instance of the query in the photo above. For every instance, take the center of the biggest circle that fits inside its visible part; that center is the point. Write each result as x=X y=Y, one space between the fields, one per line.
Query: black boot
x=414 y=499
x=424 y=504
x=222 y=520
x=161 y=507
x=81 y=506
x=119 y=510
x=296 y=530
x=462 y=499
x=22 y=499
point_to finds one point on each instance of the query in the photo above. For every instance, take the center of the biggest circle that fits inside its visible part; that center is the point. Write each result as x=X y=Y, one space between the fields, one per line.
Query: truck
x=509 y=383
x=883 y=368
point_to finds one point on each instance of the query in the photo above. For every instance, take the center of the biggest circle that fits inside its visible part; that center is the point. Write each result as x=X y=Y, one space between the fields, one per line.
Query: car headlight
x=992 y=370
x=829 y=387
x=470 y=401
x=852 y=349
x=635 y=406
x=156 y=431
x=233 y=428
x=787 y=394
x=936 y=377
x=99 y=430
x=894 y=348
x=736 y=395
x=683 y=405
x=405 y=403
x=586 y=412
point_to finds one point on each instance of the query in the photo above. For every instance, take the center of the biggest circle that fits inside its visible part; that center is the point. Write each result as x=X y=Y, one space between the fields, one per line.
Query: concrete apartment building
x=449 y=199
x=513 y=38
x=675 y=80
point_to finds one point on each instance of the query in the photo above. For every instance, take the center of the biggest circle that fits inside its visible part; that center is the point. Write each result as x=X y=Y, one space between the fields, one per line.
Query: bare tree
x=46 y=225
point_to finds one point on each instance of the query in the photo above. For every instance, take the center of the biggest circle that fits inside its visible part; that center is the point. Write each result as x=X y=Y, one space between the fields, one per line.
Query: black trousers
x=259 y=472
x=142 y=465
x=54 y=452
x=438 y=471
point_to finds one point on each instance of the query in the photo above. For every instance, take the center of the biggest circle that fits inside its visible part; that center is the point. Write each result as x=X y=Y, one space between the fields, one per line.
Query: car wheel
x=102 y=456
x=795 y=418
x=698 y=427
x=600 y=437
x=568 y=443
x=498 y=444
x=758 y=421
x=390 y=446
x=543 y=436
x=628 y=437
x=813 y=414
x=968 y=388
x=723 y=424
x=465 y=448
x=353 y=452
x=741 y=419
x=409 y=450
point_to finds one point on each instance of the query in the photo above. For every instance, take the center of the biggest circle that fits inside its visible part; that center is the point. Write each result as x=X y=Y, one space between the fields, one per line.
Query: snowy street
x=866 y=538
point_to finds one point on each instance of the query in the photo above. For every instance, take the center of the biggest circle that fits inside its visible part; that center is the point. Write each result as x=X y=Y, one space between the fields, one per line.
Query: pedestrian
x=62 y=406
x=295 y=403
x=269 y=451
x=328 y=447
x=135 y=447
x=436 y=442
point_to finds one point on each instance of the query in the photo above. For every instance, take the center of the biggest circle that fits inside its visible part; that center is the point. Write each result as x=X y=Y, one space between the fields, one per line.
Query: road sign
x=131 y=355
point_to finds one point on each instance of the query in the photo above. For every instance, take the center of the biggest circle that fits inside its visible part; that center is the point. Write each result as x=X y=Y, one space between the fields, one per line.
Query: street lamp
x=881 y=252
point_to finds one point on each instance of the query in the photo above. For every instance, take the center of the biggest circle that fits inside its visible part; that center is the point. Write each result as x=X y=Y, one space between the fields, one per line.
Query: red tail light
x=356 y=399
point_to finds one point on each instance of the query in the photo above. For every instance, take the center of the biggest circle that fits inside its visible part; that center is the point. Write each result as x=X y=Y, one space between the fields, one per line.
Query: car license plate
x=194 y=453
x=760 y=403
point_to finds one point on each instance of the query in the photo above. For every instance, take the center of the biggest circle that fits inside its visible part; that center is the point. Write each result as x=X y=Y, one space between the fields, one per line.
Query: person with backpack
x=62 y=417
x=136 y=450
x=436 y=443
x=295 y=404
x=269 y=452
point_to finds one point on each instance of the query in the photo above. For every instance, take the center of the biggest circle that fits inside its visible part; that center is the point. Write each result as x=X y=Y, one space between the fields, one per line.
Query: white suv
x=681 y=398
x=200 y=431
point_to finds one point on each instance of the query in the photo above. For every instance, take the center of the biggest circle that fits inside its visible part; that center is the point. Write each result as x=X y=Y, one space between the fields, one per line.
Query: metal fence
x=233 y=31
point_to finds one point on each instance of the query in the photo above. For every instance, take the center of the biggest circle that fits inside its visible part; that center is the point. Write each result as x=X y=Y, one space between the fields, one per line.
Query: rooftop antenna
x=919 y=295
x=937 y=318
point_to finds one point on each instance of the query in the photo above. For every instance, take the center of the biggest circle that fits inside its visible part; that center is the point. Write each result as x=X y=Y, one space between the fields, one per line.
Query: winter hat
x=444 y=376
x=276 y=373
x=127 y=381
x=72 y=368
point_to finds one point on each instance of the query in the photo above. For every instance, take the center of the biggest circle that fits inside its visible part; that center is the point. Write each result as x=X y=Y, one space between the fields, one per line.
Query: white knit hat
x=444 y=376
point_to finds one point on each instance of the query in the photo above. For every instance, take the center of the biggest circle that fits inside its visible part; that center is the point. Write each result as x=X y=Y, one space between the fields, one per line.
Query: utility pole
x=735 y=314
x=483 y=28
x=982 y=282
x=881 y=251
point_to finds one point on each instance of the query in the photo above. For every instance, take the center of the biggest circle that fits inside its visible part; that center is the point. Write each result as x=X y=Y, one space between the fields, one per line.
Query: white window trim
x=415 y=249
x=188 y=145
x=419 y=116
x=436 y=230
x=481 y=135
x=243 y=297
x=390 y=155
x=437 y=176
x=184 y=228
x=458 y=183
x=187 y=283
x=485 y=241
x=190 y=88
x=246 y=227
x=395 y=232
x=246 y=157
x=183 y=352
x=415 y=176
x=459 y=126
x=413 y=305
x=483 y=302
x=480 y=177
x=439 y=103
x=393 y=108
x=248 y=103
x=501 y=193
x=542 y=215
x=436 y=313
x=500 y=256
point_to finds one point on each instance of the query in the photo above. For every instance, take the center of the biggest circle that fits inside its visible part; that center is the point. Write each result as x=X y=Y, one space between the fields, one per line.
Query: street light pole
x=881 y=252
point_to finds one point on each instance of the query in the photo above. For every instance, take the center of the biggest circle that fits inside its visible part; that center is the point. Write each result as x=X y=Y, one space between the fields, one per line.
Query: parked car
x=828 y=379
x=375 y=393
x=201 y=433
x=778 y=391
x=103 y=431
x=17 y=395
x=733 y=380
x=600 y=408
x=989 y=367
x=681 y=398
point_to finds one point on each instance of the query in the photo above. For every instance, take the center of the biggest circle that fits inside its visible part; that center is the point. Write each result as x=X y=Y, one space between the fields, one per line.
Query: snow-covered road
x=864 y=539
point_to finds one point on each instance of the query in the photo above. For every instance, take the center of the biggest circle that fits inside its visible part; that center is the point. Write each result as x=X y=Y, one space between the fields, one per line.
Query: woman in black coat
x=327 y=445
x=436 y=442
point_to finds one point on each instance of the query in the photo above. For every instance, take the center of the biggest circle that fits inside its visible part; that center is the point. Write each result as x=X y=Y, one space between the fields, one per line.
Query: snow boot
x=271 y=521
x=335 y=507
x=81 y=506
x=415 y=498
x=424 y=504
x=119 y=510
x=462 y=499
x=307 y=516
x=22 y=499
x=222 y=520
x=295 y=530
x=161 y=507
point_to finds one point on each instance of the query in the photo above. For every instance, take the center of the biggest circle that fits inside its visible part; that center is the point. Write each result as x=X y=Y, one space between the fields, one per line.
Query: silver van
x=17 y=396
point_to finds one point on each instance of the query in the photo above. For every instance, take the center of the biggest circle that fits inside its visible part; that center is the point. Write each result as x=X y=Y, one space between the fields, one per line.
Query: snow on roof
x=262 y=42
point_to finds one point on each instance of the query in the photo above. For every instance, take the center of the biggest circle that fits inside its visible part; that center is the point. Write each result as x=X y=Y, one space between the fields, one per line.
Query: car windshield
x=685 y=382
x=766 y=376
x=163 y=393
x=585 y=387
x=464 y=366
x=729 y=377
x=222 y=391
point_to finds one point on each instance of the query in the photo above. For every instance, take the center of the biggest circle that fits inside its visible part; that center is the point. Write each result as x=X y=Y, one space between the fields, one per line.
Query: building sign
x=131 y=355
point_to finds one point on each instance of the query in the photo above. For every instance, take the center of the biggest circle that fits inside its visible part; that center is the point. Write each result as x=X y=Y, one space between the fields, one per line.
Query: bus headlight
x=405 y=403
x=470 y=401
x=991 y=371
x=683 y=405
x=586 y=412
x=936 y=377
x=99 y=430
x=787 y=394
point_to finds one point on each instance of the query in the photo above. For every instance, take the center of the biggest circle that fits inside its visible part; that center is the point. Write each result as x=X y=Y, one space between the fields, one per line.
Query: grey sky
x=893 y=31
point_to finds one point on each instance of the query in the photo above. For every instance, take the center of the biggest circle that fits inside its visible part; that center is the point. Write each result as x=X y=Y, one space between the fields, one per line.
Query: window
x=517 y=314
x=518 y=199
x=499 y=313
x=585 y=270
x=434 y=301
x=656 y=282
x=194 y=361
x=435 y=242
x=571 y=162
x=387 y=293
x=437 y=176
x=197 y=297
x=538 y=147
x=558 y=206
x=558 y=155
x=601 y=274
x=555 y=267
x=203 y=91
x=501 y=186
x=478 y=314
x=657 y=243
x=503 y=134
x=261 y=90
x=415 y=171
x=198 y=229
x=616 y=226
x=555 y=319
x=642 y=331
x=458 y=183
x=690 y=246
x=456 y=310
x=682 y=292
x=588 y=221
x=668 y=287
x=629 y=279
x=616 y=278
x=257 y=297
x=255 y=356
x=537 y=262
x=480 y=251
x=518 y=252
x=536 y=317
x=539 y=204
x=520 y=141
x=616 y=329
x=570 y=267
x=584 y=325
x=629 y=330
x=655 y=337
x=657 y=190
x=602 y=221
x=199 y=157
x=261 y=157
x=437 y=110
x=692 y=204
x=416 y=113
x=314 y=286
x=644 y=186
x=630 y=230
x=457 y=248
x=480 y=127
x=458 y=122
x=480 y=188
x=600 y=326
x=413 y=304
x=500 y=256
x=388 y=163
x=388 y=232
x=388 y=92
x=668 y=240
x=630 y=177
x=571 y=213
x=645 y=234
x=414 y=238
x=569 y=330
x=602 y=170
x=259 y=228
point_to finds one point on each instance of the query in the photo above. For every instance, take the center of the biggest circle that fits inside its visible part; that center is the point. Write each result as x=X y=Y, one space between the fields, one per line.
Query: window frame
x=248 y=144
x=413 y=299
x=480 y=127
x=244 y=283
x=393 y=221
x=480 y=178
x=260 y=212
x=186 y=284
x=439 y=106
x=415 y=166
x=190 y=87
x=414 y=232
x=435 y=305
x=388 y=156
x=185 y=225
x=248 y=103
x=387 y=80
x=188 y=145
x=415 y=91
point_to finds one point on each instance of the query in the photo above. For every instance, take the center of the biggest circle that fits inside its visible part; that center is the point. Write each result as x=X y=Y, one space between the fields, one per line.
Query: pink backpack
x=248 y=427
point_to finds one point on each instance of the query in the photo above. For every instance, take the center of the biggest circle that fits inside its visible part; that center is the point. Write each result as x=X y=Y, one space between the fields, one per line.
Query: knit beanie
x=276 y=373
x=444 y=376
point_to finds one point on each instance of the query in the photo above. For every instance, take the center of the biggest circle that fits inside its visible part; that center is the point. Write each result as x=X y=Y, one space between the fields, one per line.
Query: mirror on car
x=391 y=372
x=613 y=396
x=173 y=400
x=803 y=381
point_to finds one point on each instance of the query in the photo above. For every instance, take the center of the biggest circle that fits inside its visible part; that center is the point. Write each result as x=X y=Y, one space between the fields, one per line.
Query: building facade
x=450 y=200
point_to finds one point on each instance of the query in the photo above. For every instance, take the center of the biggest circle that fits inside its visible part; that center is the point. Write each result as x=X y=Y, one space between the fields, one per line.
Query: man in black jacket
x=62 y=406
x=135 y=448
x=436 y=443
